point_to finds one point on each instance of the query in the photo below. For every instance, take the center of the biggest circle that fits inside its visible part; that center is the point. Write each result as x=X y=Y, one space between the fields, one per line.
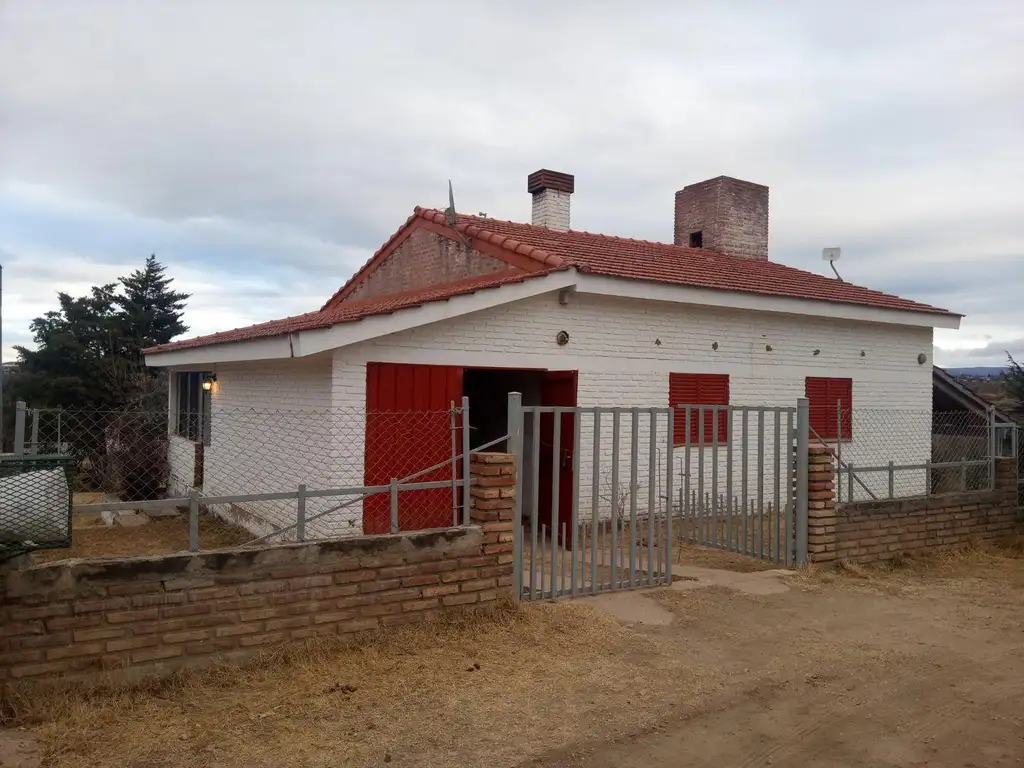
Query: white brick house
x=482 y=303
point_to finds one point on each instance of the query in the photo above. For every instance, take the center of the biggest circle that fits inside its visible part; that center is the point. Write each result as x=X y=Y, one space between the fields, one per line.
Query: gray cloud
x=996 y=351
x=265 y=150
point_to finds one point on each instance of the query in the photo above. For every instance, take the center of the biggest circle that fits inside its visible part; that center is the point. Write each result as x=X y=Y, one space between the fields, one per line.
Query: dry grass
x=160 y=536
x=709 y=557
x=482 y=689
x=978 y=562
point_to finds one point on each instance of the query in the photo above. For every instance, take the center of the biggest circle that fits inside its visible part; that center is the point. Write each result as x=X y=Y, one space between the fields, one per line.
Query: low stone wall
x=147 y=616
x=878 y=531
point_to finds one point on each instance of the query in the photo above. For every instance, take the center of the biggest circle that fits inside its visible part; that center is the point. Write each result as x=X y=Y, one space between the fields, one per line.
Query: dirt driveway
x=921 y=666
x=906 y=668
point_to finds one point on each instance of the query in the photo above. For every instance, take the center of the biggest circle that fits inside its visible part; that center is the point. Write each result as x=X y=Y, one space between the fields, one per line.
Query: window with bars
x=699 y=389
x=192 y=416
x=831 y=407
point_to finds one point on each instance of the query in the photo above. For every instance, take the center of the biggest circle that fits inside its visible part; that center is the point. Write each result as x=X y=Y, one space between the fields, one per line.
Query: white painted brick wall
x=181 y=458
x=551 y=209
x=271 y=429
x=613 y=346
x=278 y=424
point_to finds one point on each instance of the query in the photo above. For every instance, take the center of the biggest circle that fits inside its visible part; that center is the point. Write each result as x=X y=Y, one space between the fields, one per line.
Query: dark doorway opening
x=487 y=390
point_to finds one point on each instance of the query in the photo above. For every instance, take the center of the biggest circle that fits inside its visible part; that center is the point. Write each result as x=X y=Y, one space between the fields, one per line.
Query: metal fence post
x=465 y=460
x=670 y=444
x=300 y=514
x=891 y=480
x=800 y=492
x=453 y=415
x=839 y=452
x=19 y=428
x=394 y=505
x=515 y=447
x=193 y=520
x=34 y=445
x=991 y=448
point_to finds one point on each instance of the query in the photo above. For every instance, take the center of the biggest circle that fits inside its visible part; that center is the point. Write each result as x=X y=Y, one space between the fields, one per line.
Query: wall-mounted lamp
x=207 y=383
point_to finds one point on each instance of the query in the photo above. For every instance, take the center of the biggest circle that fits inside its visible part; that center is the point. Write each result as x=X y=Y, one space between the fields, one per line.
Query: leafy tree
x=88 y=351
x=150 y=312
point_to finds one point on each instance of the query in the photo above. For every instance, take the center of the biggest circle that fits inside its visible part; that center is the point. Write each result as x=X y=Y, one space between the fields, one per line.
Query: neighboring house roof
x=534 y=251
x=350 y=311
x=967 y=397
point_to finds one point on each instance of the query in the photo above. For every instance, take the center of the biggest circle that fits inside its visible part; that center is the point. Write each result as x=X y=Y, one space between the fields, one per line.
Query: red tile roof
x=665 y=263
x=551 y=250
x=351 y=311
x=469 y=228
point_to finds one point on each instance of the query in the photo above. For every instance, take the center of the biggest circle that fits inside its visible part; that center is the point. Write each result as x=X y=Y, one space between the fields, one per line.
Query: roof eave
x=304 y=343
x=637 y=288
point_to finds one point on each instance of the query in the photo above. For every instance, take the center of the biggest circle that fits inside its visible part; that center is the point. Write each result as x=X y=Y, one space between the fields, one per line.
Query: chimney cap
x=731 y=180
x=543 y=179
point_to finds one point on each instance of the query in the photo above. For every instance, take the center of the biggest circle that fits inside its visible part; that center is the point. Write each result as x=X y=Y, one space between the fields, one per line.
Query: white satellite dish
x=831 y=255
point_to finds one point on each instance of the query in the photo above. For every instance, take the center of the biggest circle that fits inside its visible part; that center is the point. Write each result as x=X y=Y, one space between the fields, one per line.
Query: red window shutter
x=816 y=392
x=698 y=389
x=829 y=398
x=715 y=391
x=682 y=390
x=841 y=392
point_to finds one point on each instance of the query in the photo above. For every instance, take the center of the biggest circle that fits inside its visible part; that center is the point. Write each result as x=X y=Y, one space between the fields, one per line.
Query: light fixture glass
x=207 y=382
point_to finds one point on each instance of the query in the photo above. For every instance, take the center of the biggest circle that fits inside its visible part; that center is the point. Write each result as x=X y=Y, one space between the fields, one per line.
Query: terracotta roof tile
x=678 y=265
x=593 y=253
x=351 y=311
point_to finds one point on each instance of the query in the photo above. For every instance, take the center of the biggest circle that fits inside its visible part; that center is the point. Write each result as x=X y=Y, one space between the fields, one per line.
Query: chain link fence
x=121 y=457
x=889 y=453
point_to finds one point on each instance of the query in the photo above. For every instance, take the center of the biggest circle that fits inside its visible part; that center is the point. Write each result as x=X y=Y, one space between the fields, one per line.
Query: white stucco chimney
x=551 y=191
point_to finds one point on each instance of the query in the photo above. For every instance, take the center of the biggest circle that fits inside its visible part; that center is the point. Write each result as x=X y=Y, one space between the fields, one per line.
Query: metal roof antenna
x=449 y=214
x=831 y=255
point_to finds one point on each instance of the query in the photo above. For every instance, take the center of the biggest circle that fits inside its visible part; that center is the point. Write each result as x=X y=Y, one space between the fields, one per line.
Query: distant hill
x=987 y=372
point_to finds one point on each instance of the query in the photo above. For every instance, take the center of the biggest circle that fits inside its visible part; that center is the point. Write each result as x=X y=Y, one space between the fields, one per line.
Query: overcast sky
x=263 y=150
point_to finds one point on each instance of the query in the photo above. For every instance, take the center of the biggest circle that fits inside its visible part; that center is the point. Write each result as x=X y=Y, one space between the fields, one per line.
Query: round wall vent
x=562 y=338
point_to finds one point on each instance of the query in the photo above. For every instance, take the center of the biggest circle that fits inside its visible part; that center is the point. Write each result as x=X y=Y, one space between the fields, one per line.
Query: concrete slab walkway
x=633 y=607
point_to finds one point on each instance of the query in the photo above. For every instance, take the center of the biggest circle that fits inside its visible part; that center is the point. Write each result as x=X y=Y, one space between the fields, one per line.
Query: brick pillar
x=821 y=505
x=492 y=507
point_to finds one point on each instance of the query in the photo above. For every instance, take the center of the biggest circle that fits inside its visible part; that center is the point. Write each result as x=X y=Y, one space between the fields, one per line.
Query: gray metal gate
x=736 y=489
x=604 y=494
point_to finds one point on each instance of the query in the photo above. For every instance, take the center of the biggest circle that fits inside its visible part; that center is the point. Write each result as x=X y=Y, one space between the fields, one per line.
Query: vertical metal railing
x=587 y=521
x=515 y=429
x=466 y=450
x=801 y=488
x=742 y=498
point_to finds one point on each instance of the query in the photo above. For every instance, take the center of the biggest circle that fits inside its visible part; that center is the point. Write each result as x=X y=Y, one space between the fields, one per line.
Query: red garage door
x=408 y=428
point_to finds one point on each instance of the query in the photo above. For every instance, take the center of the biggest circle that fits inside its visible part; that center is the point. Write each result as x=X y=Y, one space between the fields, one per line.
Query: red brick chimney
x=725 y=215
x=551 y=191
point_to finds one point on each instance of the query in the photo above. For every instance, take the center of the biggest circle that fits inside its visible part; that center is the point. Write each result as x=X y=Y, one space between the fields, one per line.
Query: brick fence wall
x=147 y=616
x=877 y=531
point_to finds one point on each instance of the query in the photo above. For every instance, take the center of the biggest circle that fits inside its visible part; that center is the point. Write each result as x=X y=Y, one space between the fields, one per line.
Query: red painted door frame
x=557 y=388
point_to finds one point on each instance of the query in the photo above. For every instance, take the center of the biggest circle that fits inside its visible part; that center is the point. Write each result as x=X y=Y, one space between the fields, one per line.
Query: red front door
x=557 y=388
x=408 y=428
